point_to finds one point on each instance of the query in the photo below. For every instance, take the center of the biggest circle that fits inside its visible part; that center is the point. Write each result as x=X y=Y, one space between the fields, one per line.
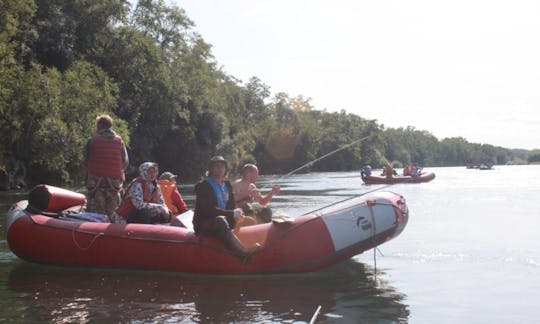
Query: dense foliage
x=63 y=62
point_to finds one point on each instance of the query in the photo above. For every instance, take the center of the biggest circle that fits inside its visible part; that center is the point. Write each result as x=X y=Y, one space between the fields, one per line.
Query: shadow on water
x=347 y=292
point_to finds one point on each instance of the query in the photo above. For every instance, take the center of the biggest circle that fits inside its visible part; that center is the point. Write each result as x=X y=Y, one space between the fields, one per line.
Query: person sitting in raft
x=246 y=193
x=171 y=195
x=245 y=190
x=415 y=170
x=388 y=171
x=143 y=201
x=407 y=170
x=366 y=170
x=215 y=213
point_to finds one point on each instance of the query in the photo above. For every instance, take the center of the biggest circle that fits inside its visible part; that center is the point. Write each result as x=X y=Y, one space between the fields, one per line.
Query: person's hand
x=238 y=215
x=253 y=191
x=276 y=189
x=159 y=209
x=164 y=211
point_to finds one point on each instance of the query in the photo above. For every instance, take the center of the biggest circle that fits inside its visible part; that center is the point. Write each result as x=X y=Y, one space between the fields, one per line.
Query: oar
x=314 y=317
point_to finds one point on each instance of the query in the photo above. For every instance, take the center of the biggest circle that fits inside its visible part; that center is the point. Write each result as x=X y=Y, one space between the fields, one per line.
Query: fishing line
x=373 y=233
x=320 y=158
x=325 y=156
x=352 y=197
x=349 y=198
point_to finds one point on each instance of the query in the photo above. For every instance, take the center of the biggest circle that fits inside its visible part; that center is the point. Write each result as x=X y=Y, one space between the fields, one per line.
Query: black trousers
x=146 y=216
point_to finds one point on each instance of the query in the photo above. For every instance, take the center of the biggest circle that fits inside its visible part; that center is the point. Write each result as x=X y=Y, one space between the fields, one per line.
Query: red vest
x=105 y=159
x=126 y=206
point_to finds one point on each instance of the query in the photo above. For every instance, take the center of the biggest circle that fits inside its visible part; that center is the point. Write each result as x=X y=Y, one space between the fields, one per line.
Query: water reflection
x=347 y=292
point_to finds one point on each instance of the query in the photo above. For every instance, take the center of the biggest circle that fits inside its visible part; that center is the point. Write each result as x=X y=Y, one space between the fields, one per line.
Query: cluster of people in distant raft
x=220 y=206
x=388 y=171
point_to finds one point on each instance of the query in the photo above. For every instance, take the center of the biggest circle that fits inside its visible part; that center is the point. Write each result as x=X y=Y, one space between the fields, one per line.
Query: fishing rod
x=324 y=156
x=351 y=197
x=381 y=156
x=375 y=249
x=329 y=154
x=320 y=158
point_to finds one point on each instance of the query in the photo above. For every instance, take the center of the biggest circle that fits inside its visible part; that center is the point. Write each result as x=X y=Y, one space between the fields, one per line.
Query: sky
x=461 y=68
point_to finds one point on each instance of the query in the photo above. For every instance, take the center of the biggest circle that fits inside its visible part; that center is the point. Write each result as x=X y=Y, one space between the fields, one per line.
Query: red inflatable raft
x=423 y=177
x=305 y=243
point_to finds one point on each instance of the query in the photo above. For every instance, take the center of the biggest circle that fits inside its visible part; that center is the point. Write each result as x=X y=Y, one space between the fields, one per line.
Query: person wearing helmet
x=215 y=213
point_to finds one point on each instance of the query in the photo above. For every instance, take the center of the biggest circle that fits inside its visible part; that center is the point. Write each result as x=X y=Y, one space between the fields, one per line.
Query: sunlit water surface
x=469 y=254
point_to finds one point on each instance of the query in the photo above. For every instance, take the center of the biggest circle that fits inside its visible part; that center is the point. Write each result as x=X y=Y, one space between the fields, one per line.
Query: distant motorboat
x=482 y=166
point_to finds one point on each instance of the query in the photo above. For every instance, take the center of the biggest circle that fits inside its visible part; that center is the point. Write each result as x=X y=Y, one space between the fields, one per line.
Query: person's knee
x=140 y=217
x=222 y=224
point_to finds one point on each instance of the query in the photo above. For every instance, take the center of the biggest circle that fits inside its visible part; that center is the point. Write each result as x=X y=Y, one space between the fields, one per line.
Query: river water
x=469 y=254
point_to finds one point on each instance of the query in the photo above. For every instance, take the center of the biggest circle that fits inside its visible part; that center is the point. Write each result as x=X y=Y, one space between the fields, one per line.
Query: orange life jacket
x=167 y=187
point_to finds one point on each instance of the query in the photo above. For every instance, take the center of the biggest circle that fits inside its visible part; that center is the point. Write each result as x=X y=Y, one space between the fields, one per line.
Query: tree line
x=63 y=62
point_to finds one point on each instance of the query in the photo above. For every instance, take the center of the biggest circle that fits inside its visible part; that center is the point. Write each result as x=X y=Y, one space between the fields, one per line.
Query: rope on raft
x=91 y=242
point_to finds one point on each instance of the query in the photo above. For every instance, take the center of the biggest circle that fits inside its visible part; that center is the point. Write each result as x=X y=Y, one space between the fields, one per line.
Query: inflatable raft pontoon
x=305 y=243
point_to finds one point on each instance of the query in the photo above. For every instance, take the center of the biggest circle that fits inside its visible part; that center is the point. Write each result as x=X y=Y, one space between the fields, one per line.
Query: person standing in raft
x=215 y=213
x=143 y=201
x=105 y=160
x=171 y=195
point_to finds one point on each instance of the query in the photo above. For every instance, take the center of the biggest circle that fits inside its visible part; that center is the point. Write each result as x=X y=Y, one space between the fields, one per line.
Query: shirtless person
x=245 y=190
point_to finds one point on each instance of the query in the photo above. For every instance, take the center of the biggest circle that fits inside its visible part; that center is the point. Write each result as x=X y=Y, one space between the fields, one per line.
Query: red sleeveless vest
x=126 y=206
x=106 y=157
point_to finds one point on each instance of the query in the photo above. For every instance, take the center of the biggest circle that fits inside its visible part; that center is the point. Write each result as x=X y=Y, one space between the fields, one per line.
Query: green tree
x=454 y=151
x=71 y=30
x=64 y=118
x=15 y=18
x=534 y=156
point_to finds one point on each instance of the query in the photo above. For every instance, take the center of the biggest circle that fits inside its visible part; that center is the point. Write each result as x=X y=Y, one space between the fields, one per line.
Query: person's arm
x=266 y=199
x=206 y=204
x=125 y=157
x=136 y=196
x=178 y=201
x=86 y=152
